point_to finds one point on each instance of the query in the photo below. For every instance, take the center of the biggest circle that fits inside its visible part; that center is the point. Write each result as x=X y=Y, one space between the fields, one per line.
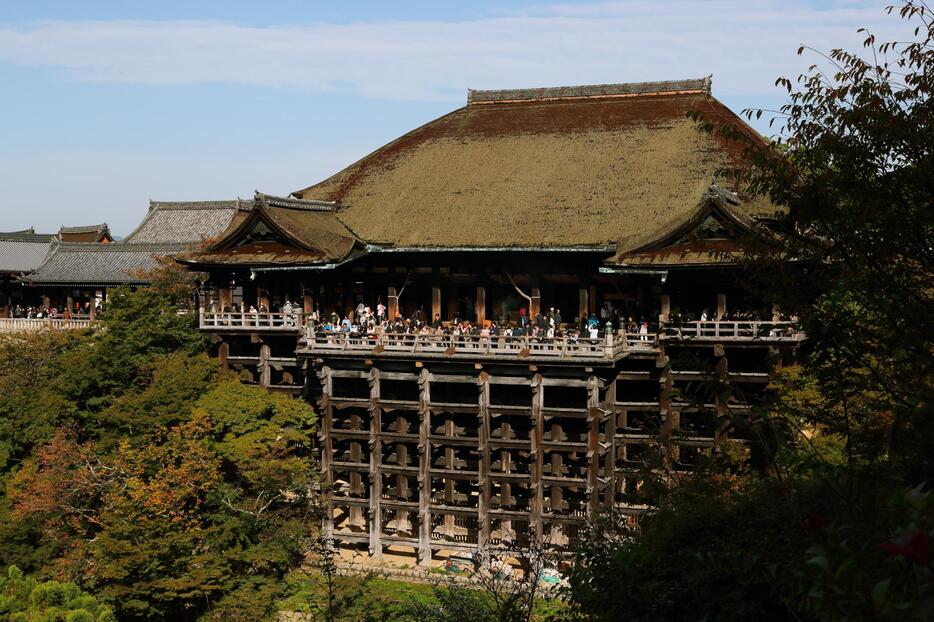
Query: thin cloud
x=745 y=44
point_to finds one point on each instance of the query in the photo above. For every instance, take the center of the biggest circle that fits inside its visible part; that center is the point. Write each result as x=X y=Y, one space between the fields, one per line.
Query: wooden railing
x=740 y=330
x=20 y=325
x=247 y=321
x=605 y=347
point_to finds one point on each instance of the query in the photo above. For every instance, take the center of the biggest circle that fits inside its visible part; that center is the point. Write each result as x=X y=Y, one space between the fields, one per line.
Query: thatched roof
x=573 y=166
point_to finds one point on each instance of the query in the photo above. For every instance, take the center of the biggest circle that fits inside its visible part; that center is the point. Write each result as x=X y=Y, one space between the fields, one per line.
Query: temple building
x=81 y=263
x=586 y=202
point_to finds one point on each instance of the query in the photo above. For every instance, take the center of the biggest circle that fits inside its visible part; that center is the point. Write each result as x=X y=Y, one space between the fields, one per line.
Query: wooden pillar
x=265 y=371
x=609 y=435
x=593 y=445
x=453 y=301
x=666 y=308
x=449 y=484
x=393 y=304
x=424 y=470
x=722 y=398
x=583 y=310
x=668 y=416
x=327 y=447
x=536 y=303
x=721 y=306
x=538 y=457
x=223 y=295
x=435 y=303
x=480 y=304
x=308 y=304
x=483 y=505
x=45 y=301
x=223 y=352
x=376 y=472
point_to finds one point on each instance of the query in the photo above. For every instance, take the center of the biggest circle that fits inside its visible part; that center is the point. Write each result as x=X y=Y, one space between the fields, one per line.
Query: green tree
x=162 y=527
x=23 y=599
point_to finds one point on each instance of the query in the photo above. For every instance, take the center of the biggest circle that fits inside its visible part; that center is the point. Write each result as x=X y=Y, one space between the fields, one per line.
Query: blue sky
x=107 y=104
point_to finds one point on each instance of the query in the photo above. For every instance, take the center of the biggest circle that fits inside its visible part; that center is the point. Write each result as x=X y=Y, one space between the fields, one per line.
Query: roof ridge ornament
x=313 y=205
x=700 y=86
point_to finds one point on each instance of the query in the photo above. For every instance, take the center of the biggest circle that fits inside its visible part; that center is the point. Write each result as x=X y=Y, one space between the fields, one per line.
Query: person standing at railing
x=643 y=330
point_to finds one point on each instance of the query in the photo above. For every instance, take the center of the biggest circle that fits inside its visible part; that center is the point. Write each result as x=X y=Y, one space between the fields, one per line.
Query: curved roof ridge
x=313 y=205
x=588 y=91
x=84 y=228
x=212 y=204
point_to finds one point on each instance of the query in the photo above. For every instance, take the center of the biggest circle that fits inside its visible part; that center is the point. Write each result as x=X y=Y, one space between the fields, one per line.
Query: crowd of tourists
x=544 y=324
x=39 y=312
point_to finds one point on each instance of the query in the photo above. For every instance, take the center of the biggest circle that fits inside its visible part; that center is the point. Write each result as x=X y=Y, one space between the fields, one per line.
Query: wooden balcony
x=25 y=325
x=734 y=331
x=476 y=347
x=250 y=322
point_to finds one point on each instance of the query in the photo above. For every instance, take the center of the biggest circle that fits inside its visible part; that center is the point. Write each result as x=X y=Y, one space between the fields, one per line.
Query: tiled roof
x=86 y=233
x=168 y=228
x=84 y=229
x=170 y=222
x=22 y=251
x=99 y=264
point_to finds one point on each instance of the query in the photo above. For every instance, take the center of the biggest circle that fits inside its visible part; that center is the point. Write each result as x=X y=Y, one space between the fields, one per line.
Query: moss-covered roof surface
x=537 y=171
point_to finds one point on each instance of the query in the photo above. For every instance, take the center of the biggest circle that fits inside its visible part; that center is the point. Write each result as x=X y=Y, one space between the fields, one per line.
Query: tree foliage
x=24 y=599
x=834 y=518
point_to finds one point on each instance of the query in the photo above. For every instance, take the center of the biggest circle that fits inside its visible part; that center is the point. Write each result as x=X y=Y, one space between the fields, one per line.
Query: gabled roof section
x=98 y=264
x=185 y=222
x=561 y=167
x=87 y=233
x=22 y=251
x=279 y=231
x=713 y=234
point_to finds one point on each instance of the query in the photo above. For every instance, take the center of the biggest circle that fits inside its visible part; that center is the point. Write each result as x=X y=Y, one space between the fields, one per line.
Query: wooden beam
x=721 y=306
